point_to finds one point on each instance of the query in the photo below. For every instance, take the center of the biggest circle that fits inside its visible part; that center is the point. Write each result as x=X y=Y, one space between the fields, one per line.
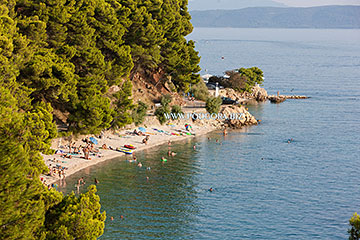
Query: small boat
x=125 y=150
x=129 y=146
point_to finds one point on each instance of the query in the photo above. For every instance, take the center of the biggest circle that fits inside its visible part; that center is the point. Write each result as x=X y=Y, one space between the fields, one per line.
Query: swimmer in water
x=211 y=189
x=194 y=147
x=112 y=218
x=96 y=181
x=139 y=164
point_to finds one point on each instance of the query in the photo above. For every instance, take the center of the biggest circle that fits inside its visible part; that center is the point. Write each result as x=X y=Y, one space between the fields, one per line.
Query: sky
x=309 y=3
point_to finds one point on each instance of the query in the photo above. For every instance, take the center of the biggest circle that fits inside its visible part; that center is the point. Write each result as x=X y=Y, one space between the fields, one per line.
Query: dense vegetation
x=200 y=91
x=242 y=80
x=163 y=109
x=63 y=56
x=213 y=105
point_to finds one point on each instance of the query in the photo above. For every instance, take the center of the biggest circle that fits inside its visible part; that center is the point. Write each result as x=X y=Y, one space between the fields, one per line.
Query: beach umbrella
x=93 y=140
x=142 y=129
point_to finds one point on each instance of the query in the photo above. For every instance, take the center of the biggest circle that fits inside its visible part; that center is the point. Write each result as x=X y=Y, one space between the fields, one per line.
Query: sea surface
x=265 y=188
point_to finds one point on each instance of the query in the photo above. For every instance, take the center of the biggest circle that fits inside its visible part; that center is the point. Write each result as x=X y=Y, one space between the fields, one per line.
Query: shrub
x=160 y=114
x=139 y=113
x=200 y=91
x=213 y=104
x=165 y=100
x=355 y=227
x=176 y=110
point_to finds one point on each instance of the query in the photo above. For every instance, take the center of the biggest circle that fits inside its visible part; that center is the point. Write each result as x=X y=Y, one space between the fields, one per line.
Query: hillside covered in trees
x=280 y=17
x=62 y=57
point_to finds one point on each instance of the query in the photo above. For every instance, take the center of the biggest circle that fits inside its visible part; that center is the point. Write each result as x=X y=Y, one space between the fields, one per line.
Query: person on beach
x=146 y=139
x=169 y=143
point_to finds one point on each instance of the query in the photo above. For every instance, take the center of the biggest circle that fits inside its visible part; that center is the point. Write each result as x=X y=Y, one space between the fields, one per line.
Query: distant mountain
x=273 y=17
x=230 y=4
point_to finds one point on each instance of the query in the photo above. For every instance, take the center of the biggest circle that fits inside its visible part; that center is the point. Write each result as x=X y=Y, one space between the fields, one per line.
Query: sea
x=264 y=187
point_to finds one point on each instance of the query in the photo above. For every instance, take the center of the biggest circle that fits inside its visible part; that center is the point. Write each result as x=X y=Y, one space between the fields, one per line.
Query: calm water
x=265 y=188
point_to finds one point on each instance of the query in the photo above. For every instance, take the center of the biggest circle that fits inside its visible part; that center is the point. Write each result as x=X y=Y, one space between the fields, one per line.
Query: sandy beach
x=116 y=140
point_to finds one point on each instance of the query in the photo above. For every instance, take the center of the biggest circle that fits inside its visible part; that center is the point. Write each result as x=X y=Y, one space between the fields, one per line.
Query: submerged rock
x=276 y=99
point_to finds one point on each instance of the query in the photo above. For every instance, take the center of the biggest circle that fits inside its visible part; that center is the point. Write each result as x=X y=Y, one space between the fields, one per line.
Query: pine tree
x=76 y=218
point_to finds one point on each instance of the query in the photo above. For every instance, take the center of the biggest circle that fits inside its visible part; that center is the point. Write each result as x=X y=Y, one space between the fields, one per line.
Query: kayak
x=125 y=150
x=129 y=146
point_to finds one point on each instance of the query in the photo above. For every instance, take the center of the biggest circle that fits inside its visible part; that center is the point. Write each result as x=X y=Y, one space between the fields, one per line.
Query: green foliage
x=166 y=100
x=160 y=114
x=157 y=39
x=123 y=104
x=176 y=110
x=164 y=109
x=76 y=218
x=65 y=55
x=253 y=75
x=200 y=91
x=139 y=113
x=355 y=227
x=242 y=80
x=213 y=104
x=23 y=198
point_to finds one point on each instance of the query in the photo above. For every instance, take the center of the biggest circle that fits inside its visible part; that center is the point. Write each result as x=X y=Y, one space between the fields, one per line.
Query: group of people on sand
x=138 y=133
x=87 y=149
x=56 y=169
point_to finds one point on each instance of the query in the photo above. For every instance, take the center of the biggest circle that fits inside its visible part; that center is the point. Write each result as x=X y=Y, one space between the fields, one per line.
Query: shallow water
x=265 y=188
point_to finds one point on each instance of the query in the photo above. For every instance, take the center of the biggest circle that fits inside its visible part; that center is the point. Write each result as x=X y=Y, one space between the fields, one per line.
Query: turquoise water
x=264 y=187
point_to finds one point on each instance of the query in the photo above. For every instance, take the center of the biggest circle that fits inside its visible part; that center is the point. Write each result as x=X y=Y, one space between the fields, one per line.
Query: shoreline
x=76 y=163
x=116 y=139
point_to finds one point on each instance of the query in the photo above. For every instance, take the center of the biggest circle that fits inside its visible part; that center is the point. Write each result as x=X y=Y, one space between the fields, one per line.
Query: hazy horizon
x=311 y=3
x=228 y=4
